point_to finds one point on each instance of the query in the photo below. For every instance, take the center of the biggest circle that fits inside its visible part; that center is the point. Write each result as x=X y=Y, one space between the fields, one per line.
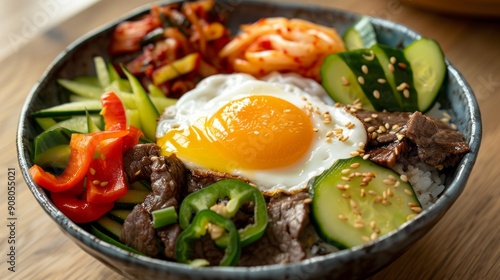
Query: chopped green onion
x=164 y=217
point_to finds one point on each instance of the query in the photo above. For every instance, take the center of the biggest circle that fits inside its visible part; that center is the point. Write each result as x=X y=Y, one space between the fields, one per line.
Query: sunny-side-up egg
x=274 y=134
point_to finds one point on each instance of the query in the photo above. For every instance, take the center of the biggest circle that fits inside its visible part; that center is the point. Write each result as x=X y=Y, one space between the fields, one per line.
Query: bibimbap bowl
x=356 y=262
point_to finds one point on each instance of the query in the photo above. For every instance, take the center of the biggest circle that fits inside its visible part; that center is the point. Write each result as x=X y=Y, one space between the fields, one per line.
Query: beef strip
x=437 y=143
x=411 y=137
x=168 y=177
x=281 y=243
x=137 y=161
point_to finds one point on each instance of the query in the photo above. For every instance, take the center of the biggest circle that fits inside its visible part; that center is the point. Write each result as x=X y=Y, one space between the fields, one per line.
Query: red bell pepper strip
x=82 y=148
x=75 y=206
x=106 y=181
x=115 y=118
x=113 y=112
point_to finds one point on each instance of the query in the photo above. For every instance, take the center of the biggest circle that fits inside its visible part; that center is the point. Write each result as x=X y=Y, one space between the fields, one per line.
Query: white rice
x=426 y=181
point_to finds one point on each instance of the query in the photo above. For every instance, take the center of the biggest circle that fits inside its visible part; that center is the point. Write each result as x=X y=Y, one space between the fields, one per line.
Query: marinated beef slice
x=411 y=137
x=281 y=243
x=171 y=182
x=168 y=178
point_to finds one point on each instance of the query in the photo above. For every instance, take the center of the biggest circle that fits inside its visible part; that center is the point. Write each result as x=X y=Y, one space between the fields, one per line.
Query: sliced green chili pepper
x=237 y=192
x=204 y=220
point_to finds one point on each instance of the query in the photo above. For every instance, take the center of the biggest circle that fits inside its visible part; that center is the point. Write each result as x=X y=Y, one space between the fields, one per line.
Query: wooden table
x=464 y=245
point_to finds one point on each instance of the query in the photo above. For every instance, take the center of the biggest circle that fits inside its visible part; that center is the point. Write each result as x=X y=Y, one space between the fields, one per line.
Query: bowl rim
x=453 y=190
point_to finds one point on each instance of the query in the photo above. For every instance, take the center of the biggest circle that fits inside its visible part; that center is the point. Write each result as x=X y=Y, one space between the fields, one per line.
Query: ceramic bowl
x=357 y=262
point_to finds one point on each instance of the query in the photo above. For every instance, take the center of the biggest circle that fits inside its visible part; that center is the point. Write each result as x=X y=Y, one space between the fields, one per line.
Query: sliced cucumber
x=101 y=235
x=341 y=83
x=398 y=74
x=119 y=215
x=131 y=199
x=356 y=74
x=54 y=157
x=109 y=227
x=361 y=35
x=45 y=123
x=82 y=88
x=51 y=138
x=70 y=109
x=346 y=213
x=77 y=123
x=91 y=125
x=429 y=70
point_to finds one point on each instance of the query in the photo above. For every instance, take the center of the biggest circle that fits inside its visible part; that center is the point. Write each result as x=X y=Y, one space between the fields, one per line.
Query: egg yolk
x=255 y=132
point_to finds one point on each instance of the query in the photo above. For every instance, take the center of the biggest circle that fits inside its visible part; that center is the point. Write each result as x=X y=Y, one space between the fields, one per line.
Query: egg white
x=214 y=92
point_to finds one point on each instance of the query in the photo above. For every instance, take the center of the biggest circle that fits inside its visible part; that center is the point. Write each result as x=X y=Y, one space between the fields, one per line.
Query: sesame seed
x=367 y=156
x=369 y=57
x=382 y=129
x=345 y=178
x=364 y=68
x=406 y=93
x=397 y=184
x=374 y=135
x=391 y=67
x=96 y=182
x=376 y=94
x=402 y=65
x=416 y=209
x=374 y=116
x=373 y=236
x=395 y=127
x=353 y=203
x=342 y=217
x=345 y=82
x=359 y=224
x=340 y=187
x=329 y=134
x=386 y=202
x=390 y=192
x=103 y=184
x=354 y=153
x=308 y=200
x=372 y=192
x=378 y=199
x=381 y=81
x=327 y=121
x=315 y=129
x=402 y=86
x=344 y=138
x=362 y=193
x=371 y=129
x=453 y=126
x=384 y=195
x=403 y=178
x=346 y=186
x=361 y=80
x=92 y=171
x=373 y=224
x=350 y=125
x=346 y=195
x=387 y=126
x=355 y=165
x=408 y=192
x=367 y=119
x=365 y=238
x=392 y=59
x=400 y=136
x=411 y=204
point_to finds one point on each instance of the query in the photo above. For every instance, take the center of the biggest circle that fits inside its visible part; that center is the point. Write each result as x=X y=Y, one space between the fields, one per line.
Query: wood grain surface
x=464 y=245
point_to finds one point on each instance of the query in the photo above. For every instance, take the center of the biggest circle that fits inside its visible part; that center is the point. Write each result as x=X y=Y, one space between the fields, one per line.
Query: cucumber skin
x=399 y=76
x=355 y=60
x=427 y=99
x=316 y=207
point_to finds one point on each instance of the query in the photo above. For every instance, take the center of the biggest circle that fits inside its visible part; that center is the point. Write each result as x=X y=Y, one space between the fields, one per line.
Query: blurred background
x=22 y=20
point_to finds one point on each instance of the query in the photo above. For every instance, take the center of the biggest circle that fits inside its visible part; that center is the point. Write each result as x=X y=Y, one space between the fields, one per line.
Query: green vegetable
x=164 y=217
x=356 y=201
x=119 y=215
x=361 y=35
x=207 y=220
x=101 y=235
x=109 y=227
x=429 y=70
x=237 y=192
x=148 y=112
x=131 y=199
x=79 y=108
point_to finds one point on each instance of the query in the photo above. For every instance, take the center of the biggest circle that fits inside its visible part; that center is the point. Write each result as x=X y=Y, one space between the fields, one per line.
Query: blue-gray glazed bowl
x=358 y=262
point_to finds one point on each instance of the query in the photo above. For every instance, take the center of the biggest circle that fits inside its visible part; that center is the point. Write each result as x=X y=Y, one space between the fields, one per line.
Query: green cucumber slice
x=360 y=35
x=399 y=76
x=429 y=70
x=341 y=83
x=347 y=217
x=70 y=109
